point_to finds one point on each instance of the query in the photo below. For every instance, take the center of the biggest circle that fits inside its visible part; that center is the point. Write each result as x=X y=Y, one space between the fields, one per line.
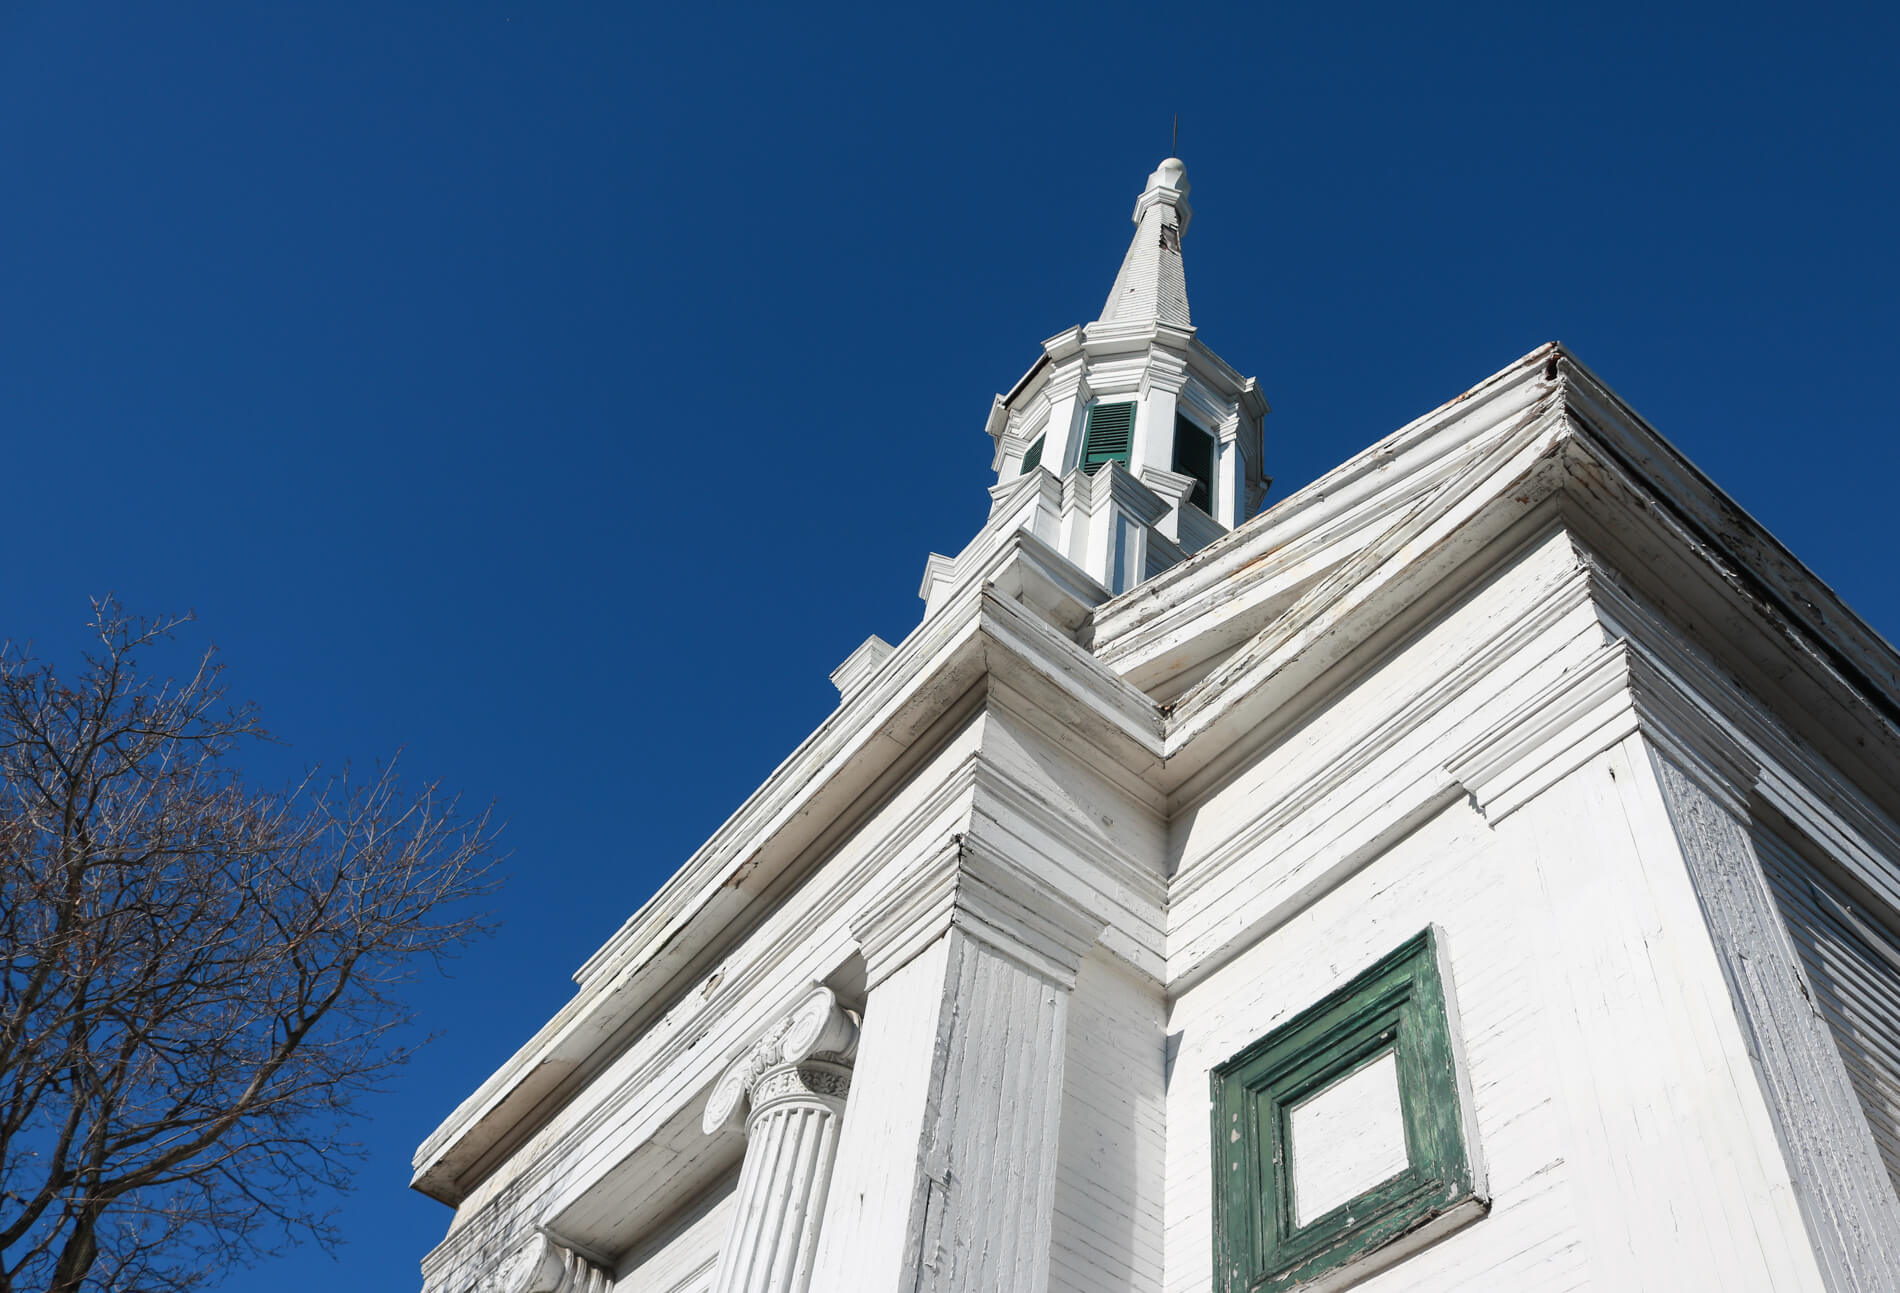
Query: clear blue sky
x=561 y=391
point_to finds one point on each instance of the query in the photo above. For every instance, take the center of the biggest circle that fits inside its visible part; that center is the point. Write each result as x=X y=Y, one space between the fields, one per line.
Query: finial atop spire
x=1152 y=284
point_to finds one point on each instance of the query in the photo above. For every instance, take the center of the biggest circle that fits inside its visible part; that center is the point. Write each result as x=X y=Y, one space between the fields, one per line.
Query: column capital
x=998 y=902
x=806 y=1051
x=542 y=1266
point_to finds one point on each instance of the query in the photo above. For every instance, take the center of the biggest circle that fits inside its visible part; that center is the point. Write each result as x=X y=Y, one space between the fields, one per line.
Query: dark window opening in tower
x=1194 y=456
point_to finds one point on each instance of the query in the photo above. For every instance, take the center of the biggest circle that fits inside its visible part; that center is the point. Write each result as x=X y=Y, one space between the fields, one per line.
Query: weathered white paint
x=1346 y=1138
x=1851 y=963
x=872 y=1207
x=1449 y=871
x=1112 y=1160
x=1517 y=672
x=542 y=1266
x=682 y=1255
x=1849 y=1198
x=795 y=1078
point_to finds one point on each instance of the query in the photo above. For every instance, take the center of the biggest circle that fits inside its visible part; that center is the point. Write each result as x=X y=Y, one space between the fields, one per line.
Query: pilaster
x=1064 y=393
x=1841 y=1184
x=946 y=1171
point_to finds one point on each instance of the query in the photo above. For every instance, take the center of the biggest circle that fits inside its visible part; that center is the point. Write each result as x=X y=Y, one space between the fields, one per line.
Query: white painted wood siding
x=1451 y=871
x=684 y=1255
x=1109 y=1168
x=1852 y=961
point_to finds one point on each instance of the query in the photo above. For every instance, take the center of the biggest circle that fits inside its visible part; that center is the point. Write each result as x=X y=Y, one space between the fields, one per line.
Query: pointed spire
x=1152 y=284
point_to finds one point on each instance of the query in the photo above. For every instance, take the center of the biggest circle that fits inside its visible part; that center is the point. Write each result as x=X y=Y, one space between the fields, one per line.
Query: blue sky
x=560 y=392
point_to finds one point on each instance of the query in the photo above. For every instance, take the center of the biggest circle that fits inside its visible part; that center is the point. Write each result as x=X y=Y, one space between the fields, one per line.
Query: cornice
x=1511 y=637
x=1613 y=447
x=715 y=1007
x=1272 y=674
x=987 y=897
x=1114 y=483
x=1064 y=344
x=1734 y=734
x=979 y=631
x=1164 y=371
x=1225 y=580
x=1122 y=868
x=998 y=418
x=1106 y=339
x=1536 y=745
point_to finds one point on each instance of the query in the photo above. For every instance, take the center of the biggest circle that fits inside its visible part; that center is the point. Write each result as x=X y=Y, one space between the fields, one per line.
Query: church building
x=1479 y=871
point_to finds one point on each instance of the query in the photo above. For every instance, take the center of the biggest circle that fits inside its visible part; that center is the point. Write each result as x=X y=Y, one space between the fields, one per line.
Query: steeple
x=1152 y=283
x=1128 y=445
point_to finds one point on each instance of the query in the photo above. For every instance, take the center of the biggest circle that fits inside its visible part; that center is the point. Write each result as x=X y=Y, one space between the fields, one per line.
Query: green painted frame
x=1398 y=1005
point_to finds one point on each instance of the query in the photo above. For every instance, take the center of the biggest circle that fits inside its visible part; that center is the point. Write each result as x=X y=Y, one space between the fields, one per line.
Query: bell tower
x=1129 y=444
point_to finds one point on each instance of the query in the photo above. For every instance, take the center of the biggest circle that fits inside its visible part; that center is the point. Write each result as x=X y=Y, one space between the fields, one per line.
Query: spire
x=1126 y=447
x=1152 y=285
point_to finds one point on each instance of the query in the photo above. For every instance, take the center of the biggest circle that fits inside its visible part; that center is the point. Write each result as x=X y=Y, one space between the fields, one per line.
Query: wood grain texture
x=1844 y=1190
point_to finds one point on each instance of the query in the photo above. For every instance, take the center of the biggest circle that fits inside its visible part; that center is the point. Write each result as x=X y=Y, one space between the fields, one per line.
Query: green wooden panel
x=1033 y=458
x=1110 y=436
x=1399 y=1006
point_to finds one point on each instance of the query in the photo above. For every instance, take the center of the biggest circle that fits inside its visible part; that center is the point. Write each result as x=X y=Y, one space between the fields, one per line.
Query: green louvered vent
x=1033 y=459
x=1110 y=437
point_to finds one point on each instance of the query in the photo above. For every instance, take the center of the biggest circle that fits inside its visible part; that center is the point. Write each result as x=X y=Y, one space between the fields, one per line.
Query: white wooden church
x=1479 y=871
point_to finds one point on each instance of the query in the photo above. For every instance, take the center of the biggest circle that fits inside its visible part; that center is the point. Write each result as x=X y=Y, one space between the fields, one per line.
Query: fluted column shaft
x=796 y=1078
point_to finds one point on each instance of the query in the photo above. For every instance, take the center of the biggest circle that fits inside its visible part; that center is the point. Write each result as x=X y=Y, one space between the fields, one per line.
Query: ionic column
x=796 y=1077
x=542 y=1266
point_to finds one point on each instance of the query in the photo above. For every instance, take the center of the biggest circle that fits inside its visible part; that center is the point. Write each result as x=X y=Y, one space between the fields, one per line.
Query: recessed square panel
x=1346 y=1139
x=1342 y=1135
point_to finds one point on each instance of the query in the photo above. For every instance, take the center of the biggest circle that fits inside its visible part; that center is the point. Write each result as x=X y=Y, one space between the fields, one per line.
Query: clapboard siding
x=1109 y=1169
x=1852 y=960
x=683 y=1256
x=1450 y=872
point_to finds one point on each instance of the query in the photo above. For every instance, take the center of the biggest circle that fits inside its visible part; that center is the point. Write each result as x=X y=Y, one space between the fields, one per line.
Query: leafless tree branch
x=197 y=977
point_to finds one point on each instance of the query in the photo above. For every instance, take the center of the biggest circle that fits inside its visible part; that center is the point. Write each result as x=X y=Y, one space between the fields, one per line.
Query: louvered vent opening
x=1032 y=459
x=1852 y=961
x=1194 y=456
x=1110 y=436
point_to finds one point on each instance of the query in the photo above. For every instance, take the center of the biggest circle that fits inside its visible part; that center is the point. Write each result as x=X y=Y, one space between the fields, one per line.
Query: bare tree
x=197 y=977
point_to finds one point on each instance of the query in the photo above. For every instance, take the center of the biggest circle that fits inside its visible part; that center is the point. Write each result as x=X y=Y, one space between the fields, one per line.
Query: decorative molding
x=1359 y=498
x=816 y=1033
x=1619 y=690
x=543 y=1266
x=737 y=982
x=1535 y=745
x=965 y=886
x=860 y=666
x=1513 y=635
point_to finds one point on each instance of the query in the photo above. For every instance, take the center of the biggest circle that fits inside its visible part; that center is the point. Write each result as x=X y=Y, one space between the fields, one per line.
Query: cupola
x=1138 y=443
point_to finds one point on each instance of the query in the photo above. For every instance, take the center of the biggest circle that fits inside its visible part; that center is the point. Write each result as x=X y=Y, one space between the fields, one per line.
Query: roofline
x=1526 y=429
